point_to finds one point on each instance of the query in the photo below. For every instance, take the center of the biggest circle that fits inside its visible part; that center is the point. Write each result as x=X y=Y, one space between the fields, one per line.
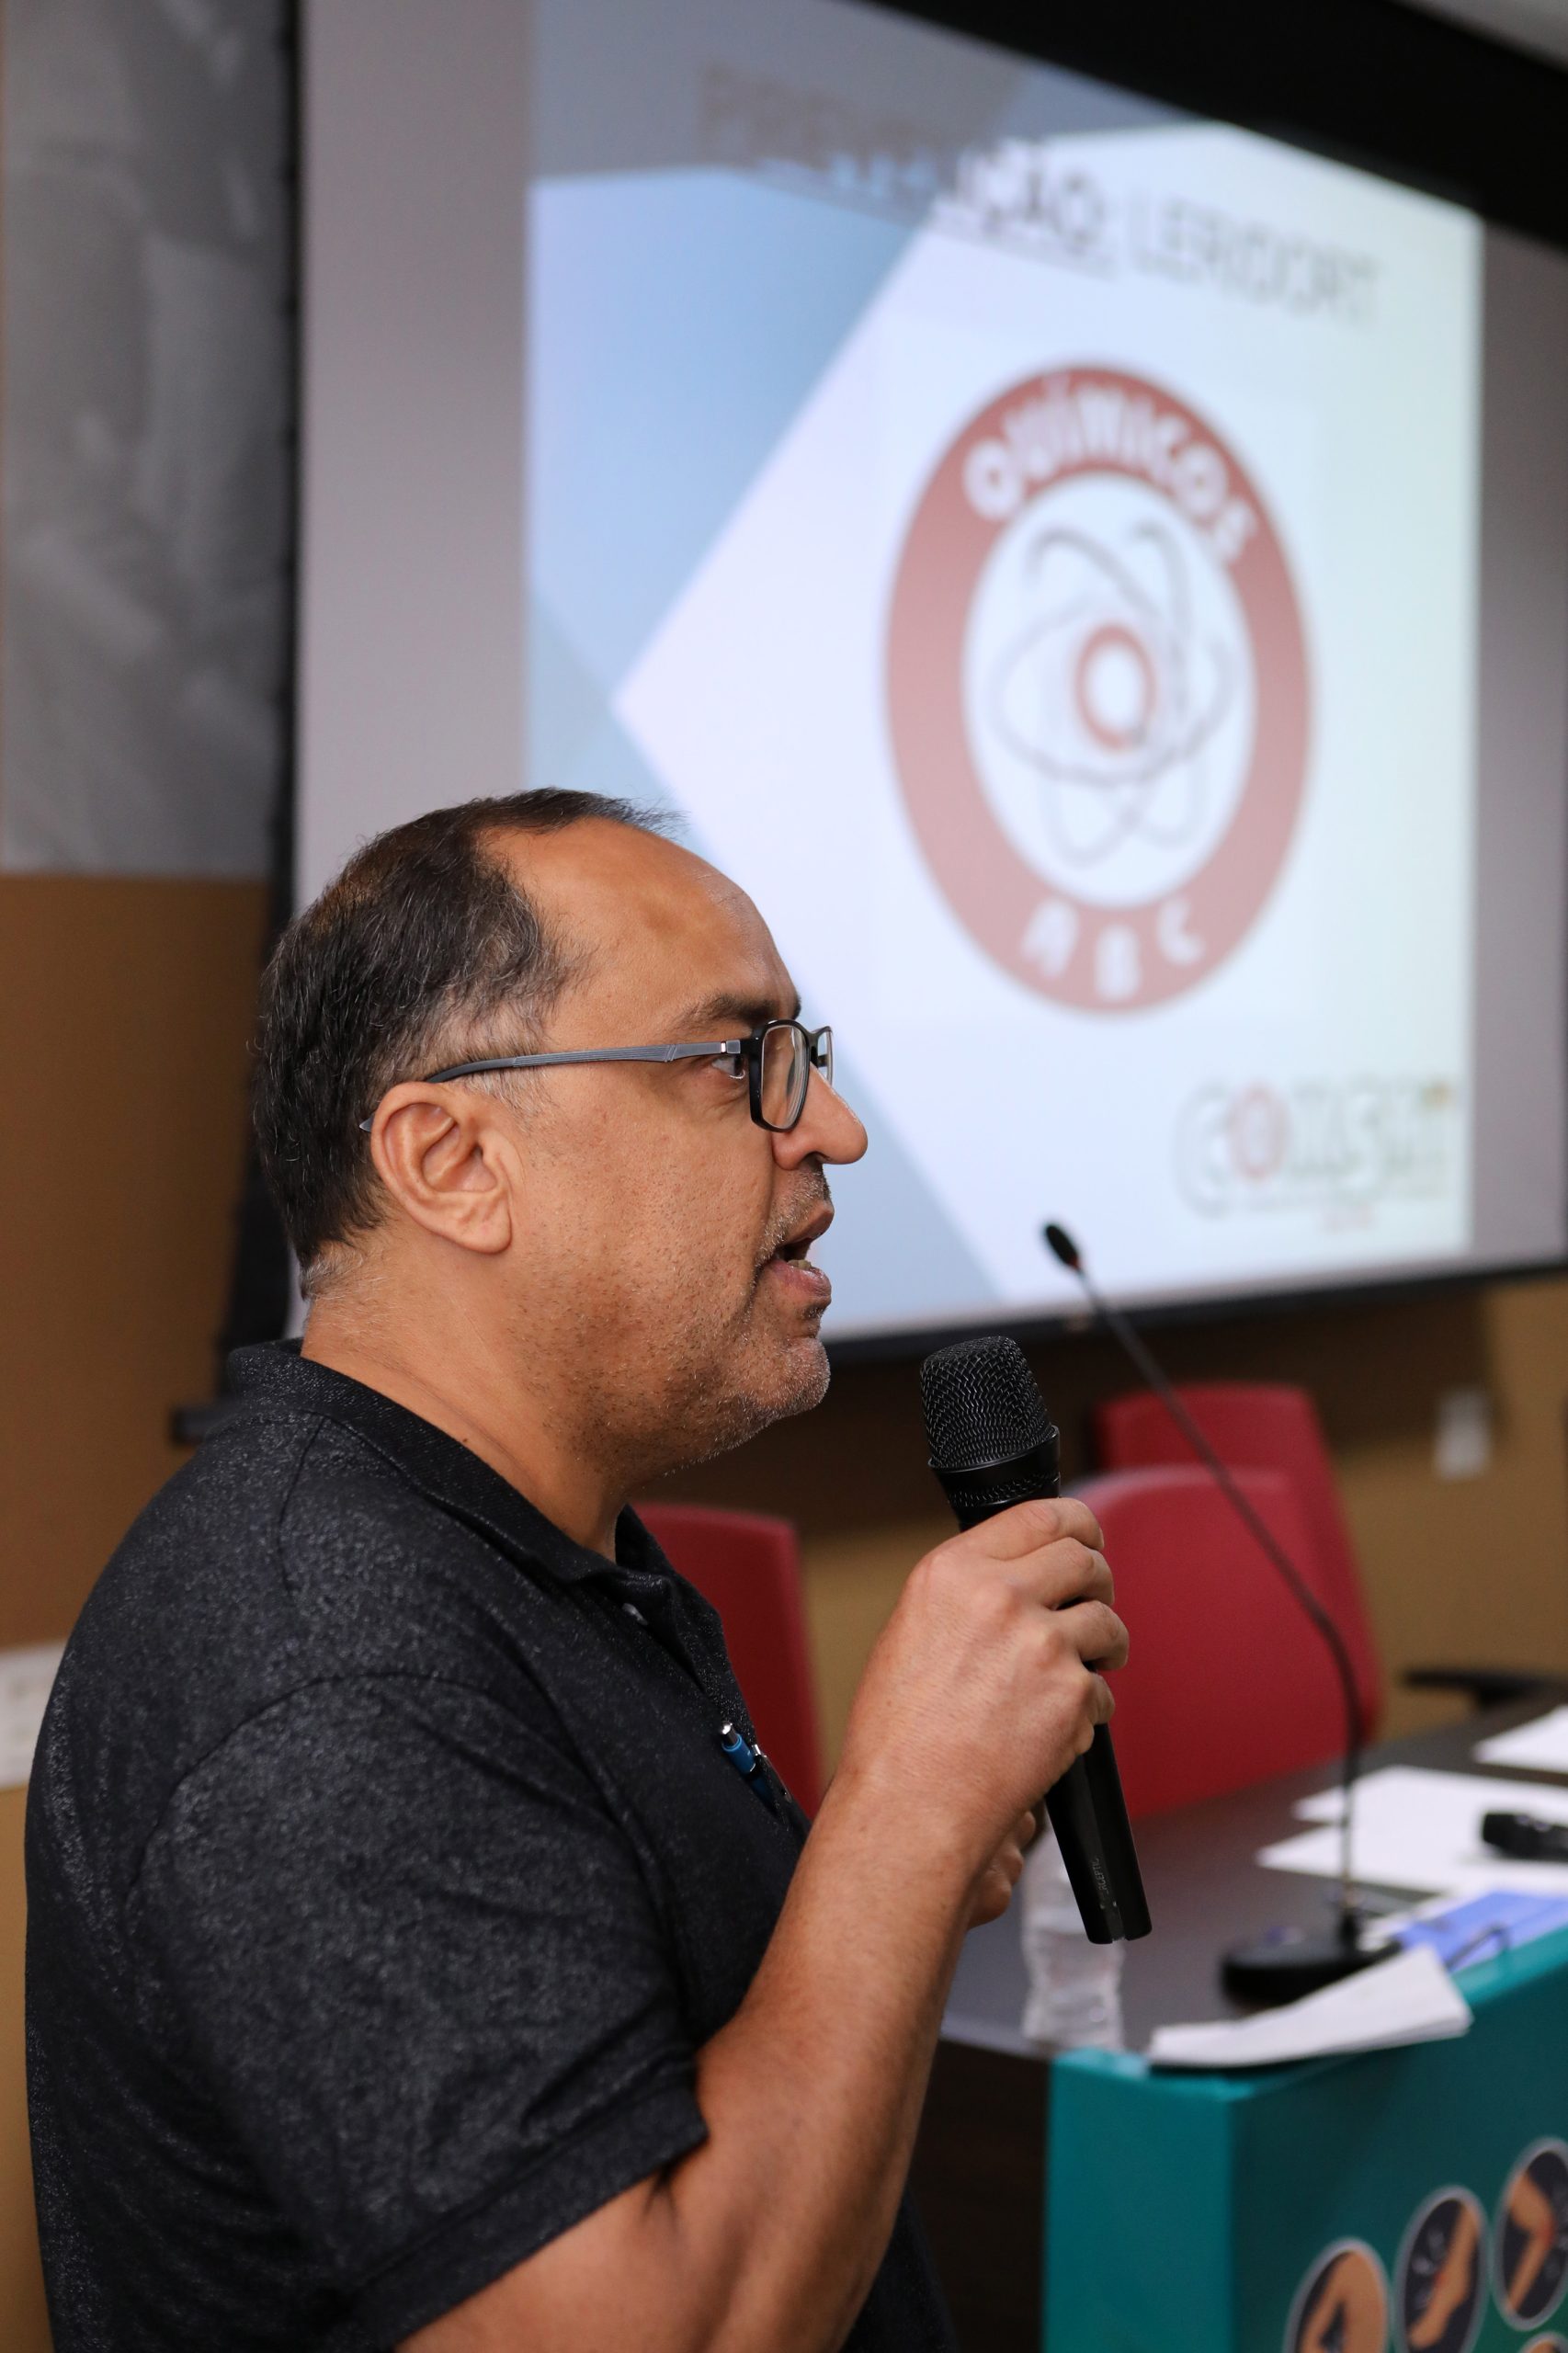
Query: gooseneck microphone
x=1282 y=1966
x=992 y=1444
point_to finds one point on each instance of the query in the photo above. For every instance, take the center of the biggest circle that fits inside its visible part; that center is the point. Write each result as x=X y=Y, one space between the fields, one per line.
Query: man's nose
x=826 y=1130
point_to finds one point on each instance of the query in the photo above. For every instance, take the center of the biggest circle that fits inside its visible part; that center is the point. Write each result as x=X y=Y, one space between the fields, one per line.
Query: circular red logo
x=1097 y=689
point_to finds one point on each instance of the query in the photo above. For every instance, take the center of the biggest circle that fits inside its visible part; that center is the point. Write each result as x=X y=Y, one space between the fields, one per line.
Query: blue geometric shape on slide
x=606 y=759
x=677 y=321
x=562 y=703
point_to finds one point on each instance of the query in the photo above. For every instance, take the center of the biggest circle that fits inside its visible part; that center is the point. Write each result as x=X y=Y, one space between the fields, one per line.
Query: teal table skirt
x=1412 y=2199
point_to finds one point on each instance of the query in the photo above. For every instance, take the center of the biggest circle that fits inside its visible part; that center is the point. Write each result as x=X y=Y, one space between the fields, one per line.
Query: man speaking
x=410 y=1964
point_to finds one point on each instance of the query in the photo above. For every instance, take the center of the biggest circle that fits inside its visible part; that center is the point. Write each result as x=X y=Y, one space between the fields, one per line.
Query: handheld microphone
x=1282 y=1965
x=993 y=1445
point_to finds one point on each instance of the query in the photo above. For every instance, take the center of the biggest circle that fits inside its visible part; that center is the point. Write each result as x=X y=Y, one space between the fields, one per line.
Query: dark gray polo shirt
x=385 y=1876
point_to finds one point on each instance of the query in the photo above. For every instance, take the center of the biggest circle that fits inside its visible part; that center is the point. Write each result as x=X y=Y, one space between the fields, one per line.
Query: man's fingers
x=1025 y=1527
x=1094 y=1632
x=1066 y=1571
x=1022 y=1837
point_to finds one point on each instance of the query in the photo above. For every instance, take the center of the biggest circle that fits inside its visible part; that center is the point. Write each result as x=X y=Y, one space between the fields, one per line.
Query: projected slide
x=1053 y=599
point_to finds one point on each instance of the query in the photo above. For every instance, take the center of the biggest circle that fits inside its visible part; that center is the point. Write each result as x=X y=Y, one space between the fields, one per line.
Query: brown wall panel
x=124 y=1011
x=125 y=1007
x=23 y=2322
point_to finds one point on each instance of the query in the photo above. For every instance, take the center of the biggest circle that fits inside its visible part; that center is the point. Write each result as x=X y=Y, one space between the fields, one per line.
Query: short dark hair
x=422 y=940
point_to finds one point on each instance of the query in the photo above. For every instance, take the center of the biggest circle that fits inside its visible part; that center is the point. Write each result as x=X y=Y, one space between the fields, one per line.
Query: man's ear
x=446 y=1164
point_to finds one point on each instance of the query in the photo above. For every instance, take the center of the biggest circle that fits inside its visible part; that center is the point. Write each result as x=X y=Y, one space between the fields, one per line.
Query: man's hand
x=985 y=1686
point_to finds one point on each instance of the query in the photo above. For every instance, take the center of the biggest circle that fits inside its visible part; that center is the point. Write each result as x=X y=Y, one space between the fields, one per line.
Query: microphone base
x=1285 y=1963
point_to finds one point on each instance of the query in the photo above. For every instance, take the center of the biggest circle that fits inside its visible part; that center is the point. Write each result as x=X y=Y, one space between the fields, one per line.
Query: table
x=980 y=2172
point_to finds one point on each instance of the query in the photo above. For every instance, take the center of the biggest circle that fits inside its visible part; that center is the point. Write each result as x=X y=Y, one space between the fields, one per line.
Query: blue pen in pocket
x=748 y=1761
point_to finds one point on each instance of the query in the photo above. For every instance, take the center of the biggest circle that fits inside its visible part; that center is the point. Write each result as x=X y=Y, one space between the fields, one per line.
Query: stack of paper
x=1423 y=1831
x=1408 y=1998
x=1537 y=1747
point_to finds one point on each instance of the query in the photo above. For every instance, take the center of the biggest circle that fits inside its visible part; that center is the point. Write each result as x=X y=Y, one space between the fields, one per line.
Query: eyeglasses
x=776 y=1061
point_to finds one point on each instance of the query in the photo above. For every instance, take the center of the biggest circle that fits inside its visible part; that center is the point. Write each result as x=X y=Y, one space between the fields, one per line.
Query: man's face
x=661 y=1270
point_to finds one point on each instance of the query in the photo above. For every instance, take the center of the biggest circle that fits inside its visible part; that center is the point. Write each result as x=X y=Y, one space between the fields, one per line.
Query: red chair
x=1263 y=1427
x=1227 y=1682
x=748 y=1566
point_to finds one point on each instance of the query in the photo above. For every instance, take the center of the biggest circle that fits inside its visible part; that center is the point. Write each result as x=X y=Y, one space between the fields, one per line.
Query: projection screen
x=1098 y=578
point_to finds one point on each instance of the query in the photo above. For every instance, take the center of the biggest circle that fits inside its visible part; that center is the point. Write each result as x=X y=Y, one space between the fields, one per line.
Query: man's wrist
x=914 y=1828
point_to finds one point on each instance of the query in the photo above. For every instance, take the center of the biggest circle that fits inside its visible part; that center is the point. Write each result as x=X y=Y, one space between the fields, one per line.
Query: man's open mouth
x=794 y=1252
x=795 y=1249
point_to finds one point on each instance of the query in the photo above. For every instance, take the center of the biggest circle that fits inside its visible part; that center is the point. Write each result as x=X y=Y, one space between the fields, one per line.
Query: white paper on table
x=1540 y=1746
x=27 y=1677
x=1421 y=1830
x=1408 y=1998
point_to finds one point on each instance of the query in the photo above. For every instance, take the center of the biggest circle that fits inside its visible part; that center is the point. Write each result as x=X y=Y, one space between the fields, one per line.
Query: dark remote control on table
x=1528 y=1840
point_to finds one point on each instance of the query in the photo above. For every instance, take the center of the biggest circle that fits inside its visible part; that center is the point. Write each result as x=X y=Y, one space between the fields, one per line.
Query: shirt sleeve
x=416 y=1963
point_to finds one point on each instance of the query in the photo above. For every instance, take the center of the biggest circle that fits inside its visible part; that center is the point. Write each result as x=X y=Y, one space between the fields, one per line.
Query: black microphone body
x=1011 y=1455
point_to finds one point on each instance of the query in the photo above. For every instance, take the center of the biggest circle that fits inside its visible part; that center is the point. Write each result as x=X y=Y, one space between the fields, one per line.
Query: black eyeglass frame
x=818 y=1045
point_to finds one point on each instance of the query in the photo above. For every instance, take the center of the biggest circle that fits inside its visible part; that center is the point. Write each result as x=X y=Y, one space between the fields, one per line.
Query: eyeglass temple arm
x=678 y=1054
x=590 y=1054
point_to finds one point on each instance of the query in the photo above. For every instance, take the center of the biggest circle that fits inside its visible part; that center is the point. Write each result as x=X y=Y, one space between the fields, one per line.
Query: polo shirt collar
x=274 y=1376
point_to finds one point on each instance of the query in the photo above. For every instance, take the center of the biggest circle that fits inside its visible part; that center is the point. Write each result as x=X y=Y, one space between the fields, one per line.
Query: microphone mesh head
x=981 y=1403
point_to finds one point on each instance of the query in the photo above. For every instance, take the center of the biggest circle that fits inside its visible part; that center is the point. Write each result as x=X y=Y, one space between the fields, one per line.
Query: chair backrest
x=1227 y=1682
x=748 y=1566
x=1262 y=1425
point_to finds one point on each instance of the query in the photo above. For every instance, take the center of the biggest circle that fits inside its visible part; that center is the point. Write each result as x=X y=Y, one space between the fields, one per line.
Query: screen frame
x=1431 y=104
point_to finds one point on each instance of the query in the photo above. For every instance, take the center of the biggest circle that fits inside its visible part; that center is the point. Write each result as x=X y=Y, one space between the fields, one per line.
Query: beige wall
x=124 y=1011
